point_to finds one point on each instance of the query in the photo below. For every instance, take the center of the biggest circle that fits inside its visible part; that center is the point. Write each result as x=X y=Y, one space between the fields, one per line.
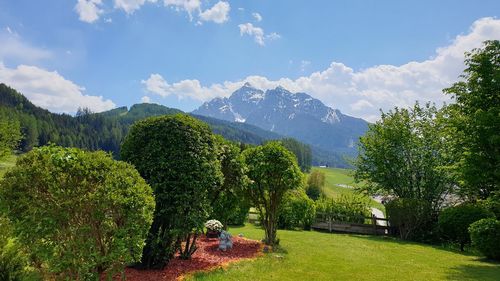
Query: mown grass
x=336 y=178
x=310 y=255
x=7 y=163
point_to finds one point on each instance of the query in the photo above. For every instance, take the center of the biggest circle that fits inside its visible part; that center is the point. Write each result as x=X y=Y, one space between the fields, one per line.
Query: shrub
x=177 y=156
x=239 y=214
x=12 y=258
x=485 y=236
x=454 y=222
x=410 y=217
x=492 y=203
x=353 y=208
x=228 y=202
x=315 y=184
x=79 y=213
x=296 y=211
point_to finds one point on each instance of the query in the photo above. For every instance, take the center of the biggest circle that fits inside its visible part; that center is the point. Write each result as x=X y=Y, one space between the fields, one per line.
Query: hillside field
x=336 y=182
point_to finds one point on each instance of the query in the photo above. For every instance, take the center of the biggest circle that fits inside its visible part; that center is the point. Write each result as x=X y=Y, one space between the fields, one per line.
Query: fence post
x=374 y=222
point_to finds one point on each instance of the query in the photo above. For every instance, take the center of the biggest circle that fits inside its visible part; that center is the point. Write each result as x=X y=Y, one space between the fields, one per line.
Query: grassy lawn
x=7 y=163
x=336 y=178
x=310 y=255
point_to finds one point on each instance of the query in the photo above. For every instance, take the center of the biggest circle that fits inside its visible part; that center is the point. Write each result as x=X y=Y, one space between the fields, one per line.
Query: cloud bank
x=359 y=93
x=48 y=89
x=90 y=11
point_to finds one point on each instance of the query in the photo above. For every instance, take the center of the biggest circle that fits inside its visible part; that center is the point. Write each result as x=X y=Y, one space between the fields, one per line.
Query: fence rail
x=352 y=224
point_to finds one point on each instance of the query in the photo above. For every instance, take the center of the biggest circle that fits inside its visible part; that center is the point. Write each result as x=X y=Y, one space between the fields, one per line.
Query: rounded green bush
x=79 y=213
x=177 y=156
x=485 y=236
x=296 y=211
x=454 y=222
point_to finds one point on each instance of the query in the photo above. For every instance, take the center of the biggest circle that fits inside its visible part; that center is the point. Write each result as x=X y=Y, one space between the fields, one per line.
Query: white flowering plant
x=214 y=225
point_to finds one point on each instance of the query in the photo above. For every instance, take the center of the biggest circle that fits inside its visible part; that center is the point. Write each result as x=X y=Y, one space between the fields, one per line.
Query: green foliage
x=13 y=260
x=412 y=218
x=272 y=171
x=402 y=155
x=485 y=236
x=315 y=185
x=454 y=222
x=229 y=204
x=492 y=203
x=79 y=213
x=10 y=134
x=177 y=155
x=296 y=211
x=302 y=152
x=475 y=122
x=353 y=208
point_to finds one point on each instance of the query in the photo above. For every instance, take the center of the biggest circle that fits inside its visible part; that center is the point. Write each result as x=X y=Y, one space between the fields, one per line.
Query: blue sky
x=357 y=56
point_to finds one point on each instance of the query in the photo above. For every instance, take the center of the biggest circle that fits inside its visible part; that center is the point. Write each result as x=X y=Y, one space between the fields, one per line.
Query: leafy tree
x=402 y=155
x=302 y=152
x=475 y=122
x=454 y=222
x=177 y=155
x=10 y=134
x=272 y=170
x=80 y=213
x=315 y=185
x=227 y=200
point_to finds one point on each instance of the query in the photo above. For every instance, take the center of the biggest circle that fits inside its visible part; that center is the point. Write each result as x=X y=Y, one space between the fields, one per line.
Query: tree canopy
x=402 y=155
x=475 y=122
x=177 y=156
x=10 y=134
x=80 y=213
x=272 y=170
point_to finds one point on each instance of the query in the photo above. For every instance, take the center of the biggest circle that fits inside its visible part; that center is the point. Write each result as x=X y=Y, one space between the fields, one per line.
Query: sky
x=356 y=56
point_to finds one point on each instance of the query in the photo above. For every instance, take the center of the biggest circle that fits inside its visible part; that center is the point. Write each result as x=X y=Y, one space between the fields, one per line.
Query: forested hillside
x=106 y=130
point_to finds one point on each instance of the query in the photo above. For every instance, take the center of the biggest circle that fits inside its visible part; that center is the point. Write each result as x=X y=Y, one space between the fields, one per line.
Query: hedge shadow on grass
x=476 y=272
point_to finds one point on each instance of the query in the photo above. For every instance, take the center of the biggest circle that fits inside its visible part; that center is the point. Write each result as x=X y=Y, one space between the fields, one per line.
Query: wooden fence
x=349 y=224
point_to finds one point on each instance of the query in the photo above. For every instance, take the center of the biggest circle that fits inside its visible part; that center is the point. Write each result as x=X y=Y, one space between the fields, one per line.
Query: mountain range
x=106 y=130
x=296 y=115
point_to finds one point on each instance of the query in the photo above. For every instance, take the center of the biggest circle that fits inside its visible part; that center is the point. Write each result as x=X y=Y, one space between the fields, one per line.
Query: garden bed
x=207 y=257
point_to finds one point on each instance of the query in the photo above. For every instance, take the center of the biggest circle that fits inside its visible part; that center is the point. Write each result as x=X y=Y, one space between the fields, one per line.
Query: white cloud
x=146 y=99
x=48 y=89
x=273 y=36
x=89 y=10
x=257 y=33
x=257 y=17
x=190 y=6
x=13 y=47
x=130 y=6
x=359 y=93
x=219 y=13
x=192 y=89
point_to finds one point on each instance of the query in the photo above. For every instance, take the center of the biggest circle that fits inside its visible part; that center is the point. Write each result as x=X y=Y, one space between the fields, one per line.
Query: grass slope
x=336 y=178
x=322 y=256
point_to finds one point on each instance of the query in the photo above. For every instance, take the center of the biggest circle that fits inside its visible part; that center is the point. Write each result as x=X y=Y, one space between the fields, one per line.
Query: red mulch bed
x=207 y=257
